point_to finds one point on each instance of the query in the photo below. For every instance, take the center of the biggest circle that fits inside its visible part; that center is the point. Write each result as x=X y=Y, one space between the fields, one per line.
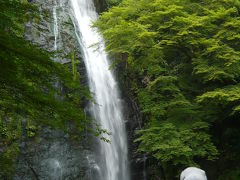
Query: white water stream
x=55 y=27
x=107 y=110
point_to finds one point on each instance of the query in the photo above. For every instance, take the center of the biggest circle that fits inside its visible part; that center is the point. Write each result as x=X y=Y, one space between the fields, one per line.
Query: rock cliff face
x=137 y=162
x=40 y=31
x=52 y=154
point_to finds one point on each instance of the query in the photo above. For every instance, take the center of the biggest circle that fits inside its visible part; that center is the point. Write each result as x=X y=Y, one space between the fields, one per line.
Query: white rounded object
x=193 y=173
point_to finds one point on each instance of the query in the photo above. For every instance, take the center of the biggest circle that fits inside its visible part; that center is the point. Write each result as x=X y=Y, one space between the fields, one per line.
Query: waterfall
x=107 y=109
x=55 y=28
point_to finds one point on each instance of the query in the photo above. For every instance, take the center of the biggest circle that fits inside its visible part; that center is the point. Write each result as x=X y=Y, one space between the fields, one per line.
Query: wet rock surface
x=40 y=31
x=137 y=162
x=52 y=154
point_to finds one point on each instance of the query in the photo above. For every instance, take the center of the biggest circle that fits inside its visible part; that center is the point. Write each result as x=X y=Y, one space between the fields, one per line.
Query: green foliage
x=10 y=133
x=168 y=143
x=31 y=129
x=182 y=61
x=28 y=86
x=74 y=66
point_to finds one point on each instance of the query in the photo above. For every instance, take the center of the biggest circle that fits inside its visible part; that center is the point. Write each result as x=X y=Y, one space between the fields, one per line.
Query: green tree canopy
x=182 y=62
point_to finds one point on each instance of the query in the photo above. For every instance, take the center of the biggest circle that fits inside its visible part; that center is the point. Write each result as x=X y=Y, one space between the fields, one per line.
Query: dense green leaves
x=182 y=61
x=168 y=143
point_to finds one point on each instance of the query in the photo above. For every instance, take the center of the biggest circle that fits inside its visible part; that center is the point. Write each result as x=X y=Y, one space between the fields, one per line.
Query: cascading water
x=107 y=110
x=55 y=27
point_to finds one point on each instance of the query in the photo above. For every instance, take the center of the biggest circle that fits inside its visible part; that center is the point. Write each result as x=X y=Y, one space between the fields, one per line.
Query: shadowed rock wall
x=52 y=154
